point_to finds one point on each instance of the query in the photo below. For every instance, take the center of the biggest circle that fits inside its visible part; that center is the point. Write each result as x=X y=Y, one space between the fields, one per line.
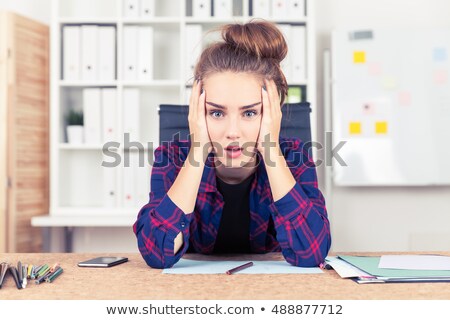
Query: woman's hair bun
x=260 y=38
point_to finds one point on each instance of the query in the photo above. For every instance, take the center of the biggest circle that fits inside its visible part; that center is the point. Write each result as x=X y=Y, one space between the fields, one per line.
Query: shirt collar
x=208 y=183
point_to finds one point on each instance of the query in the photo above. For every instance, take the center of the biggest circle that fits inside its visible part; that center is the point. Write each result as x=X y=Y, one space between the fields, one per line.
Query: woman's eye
x=216 y=114
x=250 y=113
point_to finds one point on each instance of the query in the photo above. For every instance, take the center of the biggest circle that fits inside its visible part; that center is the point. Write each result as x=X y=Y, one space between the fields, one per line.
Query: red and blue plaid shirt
x=302 y=230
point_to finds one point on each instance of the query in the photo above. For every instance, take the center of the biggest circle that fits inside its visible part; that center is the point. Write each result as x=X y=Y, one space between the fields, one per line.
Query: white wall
x=35 y=9
x=363 y=219
x=373 y=219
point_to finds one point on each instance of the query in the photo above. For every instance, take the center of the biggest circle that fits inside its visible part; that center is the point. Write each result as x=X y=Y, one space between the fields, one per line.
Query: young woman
x=236 y=186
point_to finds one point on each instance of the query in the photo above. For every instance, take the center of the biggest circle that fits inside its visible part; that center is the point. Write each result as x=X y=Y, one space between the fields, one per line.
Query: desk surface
x=134 y=280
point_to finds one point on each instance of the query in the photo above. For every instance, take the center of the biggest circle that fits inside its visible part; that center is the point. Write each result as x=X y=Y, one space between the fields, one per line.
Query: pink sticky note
x=440 y=76
x=404 y=98
x=374 y=69
x=368 y=108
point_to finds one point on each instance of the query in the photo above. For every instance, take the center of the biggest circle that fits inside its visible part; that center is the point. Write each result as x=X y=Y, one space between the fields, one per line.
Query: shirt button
x=183 y=224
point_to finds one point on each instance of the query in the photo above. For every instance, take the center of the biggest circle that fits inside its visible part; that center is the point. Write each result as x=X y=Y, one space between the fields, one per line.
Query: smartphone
x=103 y=262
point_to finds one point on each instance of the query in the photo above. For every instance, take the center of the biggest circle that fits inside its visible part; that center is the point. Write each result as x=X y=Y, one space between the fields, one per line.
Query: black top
x=234 y=228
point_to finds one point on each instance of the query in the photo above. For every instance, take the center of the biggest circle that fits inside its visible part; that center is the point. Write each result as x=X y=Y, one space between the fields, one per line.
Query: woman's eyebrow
x=223 y=107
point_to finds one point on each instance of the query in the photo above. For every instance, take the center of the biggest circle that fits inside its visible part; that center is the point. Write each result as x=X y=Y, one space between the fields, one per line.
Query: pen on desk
x=239 y=268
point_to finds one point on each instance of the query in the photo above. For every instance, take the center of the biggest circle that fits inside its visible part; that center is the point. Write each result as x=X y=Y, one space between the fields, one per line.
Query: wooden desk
x=134 y=280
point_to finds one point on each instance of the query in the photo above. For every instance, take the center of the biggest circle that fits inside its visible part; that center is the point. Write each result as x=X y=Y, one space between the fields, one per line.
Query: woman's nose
x=233 y=131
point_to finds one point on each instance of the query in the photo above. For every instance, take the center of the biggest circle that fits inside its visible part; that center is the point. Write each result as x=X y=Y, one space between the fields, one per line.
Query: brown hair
x=256 y=47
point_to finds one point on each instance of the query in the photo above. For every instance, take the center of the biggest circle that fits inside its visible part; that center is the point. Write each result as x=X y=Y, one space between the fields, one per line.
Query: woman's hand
x=269 y=133
x=200 y=140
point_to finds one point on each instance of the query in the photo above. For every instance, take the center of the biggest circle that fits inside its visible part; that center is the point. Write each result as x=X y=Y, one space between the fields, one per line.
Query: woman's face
x=233 y=116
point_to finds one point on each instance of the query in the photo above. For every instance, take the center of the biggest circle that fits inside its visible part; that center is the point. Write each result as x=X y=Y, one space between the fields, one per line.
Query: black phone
x=103 y=262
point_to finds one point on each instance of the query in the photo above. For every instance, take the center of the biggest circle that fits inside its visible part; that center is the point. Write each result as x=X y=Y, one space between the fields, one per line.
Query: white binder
x=131 y=8
x=296 y=9
x=223 y=8
x=286 y=63
x=201 y=8
x=71 y=53
x=92 y=116
x=109 y=113
x=129 y=181
x=142 y=176
x=279 y=9
x=147 y=8
x=107 y=53
x=130 y=55
x=145 y=60
x=136 y=180
x=297 y=46
x=89 y=52
x=130 y=112
x=193 y=47
x=261 y=9
x=109 y=183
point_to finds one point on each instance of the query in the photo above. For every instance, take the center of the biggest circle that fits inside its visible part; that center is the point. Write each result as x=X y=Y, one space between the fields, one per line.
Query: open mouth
x=233 y=151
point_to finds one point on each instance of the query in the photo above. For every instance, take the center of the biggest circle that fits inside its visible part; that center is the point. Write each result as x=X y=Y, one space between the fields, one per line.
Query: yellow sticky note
x=381 y=127
x=359 y=57
x=355 y=127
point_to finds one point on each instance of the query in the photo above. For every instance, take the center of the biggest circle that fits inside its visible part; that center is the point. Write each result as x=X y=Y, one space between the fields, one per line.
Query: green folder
x=370 y=265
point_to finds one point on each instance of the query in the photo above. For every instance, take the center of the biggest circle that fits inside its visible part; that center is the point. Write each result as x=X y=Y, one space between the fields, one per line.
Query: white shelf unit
x=76 y=172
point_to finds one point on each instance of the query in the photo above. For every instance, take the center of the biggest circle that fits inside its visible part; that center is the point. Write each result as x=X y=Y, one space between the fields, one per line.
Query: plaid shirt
x=302 y=230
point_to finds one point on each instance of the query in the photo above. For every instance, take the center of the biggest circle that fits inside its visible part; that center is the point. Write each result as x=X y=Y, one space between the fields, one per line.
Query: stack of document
x=392 y=268
x=294 y=64
x=89 y=53
x=280 y=9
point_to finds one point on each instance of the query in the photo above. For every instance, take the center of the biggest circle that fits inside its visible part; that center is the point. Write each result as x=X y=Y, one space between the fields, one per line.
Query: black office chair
x=173 y=122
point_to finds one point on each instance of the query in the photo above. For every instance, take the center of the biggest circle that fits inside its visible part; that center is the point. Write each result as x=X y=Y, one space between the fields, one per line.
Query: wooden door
x=24 y=112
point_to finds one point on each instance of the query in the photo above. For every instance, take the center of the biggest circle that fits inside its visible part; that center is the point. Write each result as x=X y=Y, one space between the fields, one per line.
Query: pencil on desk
x=43 y=270
x=15 y=275
x=30 y=268
x=35 y=271
x=40 y=279
x=54 y=275
x=239 y=268
x=53 y=269
x=4 y=268
x=19 y=272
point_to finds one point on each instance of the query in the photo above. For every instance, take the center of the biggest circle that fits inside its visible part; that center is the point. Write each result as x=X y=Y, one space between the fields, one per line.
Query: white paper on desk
x=415 y=262
x=345 y=269
x=186 y=266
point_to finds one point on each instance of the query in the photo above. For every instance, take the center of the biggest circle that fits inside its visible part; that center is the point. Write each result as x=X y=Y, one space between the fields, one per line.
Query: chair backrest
x=173 y=121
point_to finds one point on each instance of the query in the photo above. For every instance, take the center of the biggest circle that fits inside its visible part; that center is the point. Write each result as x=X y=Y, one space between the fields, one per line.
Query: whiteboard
x=391 y=104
